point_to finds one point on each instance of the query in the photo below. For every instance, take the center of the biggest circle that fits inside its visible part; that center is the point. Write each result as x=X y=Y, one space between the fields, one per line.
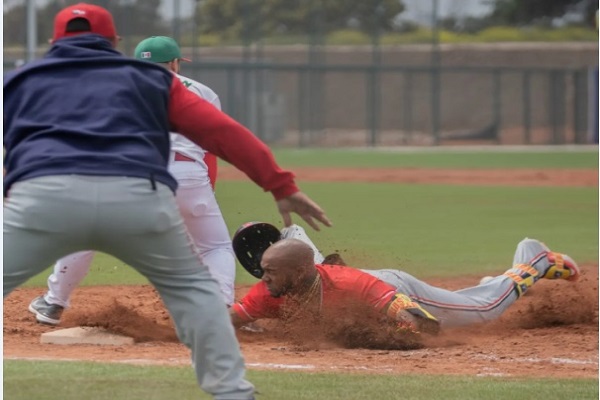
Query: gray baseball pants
x=138 y=222
x=471 y=305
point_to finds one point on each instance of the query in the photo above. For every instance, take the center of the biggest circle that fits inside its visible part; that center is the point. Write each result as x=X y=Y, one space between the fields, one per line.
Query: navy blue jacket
x=87 y=109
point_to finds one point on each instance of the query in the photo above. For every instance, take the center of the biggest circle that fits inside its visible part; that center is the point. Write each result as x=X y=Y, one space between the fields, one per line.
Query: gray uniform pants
x=463 y=307
x=470 y=305
x=49 y=217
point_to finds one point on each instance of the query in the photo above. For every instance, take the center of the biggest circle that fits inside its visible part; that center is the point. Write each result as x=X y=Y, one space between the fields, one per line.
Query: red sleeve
x=258 y=303
x=216 y=132
x=375 y=292
x=211 y=163
x=348 y=282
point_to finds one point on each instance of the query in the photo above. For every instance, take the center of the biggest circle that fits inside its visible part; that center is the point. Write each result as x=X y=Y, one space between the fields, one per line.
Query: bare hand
x=305 y=207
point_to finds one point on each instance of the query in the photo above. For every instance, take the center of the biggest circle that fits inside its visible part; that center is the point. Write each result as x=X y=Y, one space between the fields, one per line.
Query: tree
x=14 y=25
x=132 y=17
x=137 y=17
x=254 y=18
x=518 y=12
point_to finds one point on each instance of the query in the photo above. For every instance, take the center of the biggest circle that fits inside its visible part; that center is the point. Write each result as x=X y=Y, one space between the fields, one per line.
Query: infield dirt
x=551 y=332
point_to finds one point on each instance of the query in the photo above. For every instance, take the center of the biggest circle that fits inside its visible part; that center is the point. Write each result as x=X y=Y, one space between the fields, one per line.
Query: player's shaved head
x=286 y=264
x=293 y=252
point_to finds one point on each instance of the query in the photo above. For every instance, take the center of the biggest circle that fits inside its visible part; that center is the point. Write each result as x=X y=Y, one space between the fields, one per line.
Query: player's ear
x=176 y=65
x=115 y=40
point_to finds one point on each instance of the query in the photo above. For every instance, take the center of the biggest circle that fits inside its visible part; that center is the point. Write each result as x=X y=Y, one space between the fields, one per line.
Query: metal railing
x=372 y=105
x=377 y=105
x=409 y=94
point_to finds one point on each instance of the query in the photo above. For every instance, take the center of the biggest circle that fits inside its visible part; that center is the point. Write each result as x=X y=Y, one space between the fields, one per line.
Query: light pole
x=176 y=16
x=435 y=75
x=31 y=24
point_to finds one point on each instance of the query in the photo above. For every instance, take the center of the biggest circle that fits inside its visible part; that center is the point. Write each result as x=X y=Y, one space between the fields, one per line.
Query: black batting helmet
x=250 y=242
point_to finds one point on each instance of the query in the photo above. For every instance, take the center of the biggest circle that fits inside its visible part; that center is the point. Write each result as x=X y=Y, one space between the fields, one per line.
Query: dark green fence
x=377 y=105
x=371 y=73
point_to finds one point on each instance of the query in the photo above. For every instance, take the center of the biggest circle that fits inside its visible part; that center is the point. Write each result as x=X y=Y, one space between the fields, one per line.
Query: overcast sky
x=421 y=10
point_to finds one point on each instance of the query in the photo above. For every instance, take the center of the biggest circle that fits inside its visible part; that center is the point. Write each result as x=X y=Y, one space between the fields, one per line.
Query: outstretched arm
x=302 y=205
x=224 y=137
x=410 y=316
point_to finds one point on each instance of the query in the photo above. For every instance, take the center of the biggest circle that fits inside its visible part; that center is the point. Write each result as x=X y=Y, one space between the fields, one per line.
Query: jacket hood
x=82 y=46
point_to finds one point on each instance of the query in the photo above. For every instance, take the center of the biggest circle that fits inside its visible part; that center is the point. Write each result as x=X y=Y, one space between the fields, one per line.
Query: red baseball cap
x=100 y=20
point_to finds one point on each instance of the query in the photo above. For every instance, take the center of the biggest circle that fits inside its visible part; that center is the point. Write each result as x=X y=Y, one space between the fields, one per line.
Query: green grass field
x=436 y=157
x=77 y=380
x=427 y=230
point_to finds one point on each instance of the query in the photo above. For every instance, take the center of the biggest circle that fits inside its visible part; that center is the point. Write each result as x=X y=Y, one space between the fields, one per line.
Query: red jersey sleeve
x=258 y=303
x=211 y=164
x=216 y=132
x=344 y=283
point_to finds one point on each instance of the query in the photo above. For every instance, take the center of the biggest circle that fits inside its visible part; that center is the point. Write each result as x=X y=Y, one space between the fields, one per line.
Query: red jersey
x=219 y=134
x=341 y=286
x=211 y=165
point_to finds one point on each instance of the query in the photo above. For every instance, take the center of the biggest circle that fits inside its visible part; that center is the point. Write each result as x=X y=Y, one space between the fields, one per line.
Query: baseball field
x=447 y=216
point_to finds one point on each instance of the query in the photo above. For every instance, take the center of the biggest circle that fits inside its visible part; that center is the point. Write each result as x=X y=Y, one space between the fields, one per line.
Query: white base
x=85 y=335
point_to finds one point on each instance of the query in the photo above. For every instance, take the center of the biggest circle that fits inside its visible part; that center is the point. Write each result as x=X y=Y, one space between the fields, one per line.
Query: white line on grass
x=553 y=360
x=186 y=361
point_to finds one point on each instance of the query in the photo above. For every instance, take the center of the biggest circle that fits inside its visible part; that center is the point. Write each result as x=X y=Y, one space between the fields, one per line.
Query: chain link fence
x=369 y=73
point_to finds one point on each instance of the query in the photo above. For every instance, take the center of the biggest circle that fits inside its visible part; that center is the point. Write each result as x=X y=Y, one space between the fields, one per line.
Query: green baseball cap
x=158 y=49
